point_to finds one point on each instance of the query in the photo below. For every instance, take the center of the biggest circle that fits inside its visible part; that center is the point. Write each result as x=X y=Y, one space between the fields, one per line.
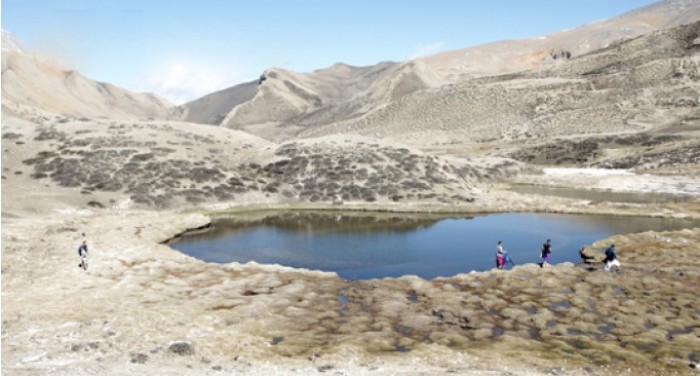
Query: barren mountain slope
x=650 y=82
x=30 y=80
x=518 y=55
x=213 y=108
x=286 y=102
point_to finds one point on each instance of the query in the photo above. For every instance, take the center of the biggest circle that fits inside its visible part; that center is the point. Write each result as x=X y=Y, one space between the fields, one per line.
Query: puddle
x=497 y=332
x=606 y=328
x=532 y=310
x=574 y=332
x=672 y=333
x=645 y=346
x=404 y=330
x=276 y=340
x=556 y=305
x=412 y=297
x=401 y=348
x=552 y=323
x=534 y=334
x=649 y=326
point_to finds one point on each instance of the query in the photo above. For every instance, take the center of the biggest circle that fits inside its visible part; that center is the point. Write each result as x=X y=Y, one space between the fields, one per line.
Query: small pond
x=364 y=246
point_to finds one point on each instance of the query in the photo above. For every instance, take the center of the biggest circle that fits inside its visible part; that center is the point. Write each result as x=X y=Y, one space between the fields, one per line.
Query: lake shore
x=143 y=307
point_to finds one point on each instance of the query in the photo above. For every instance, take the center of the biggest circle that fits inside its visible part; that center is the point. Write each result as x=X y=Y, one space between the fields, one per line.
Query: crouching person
x=611 y=258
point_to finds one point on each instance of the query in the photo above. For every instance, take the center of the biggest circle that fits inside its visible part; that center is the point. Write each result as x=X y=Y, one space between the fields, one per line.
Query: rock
x=139 y=358
x=181 y=348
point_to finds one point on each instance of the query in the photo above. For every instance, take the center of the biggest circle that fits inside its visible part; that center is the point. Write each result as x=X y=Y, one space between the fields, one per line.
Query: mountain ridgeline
x=471 y=94
x=629 y=73
x=31 y=80
x=283 y=103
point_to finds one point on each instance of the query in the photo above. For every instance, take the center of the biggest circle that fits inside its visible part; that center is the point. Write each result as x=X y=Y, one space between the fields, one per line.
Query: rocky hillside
x=512 y=56
x=644 y=84
x=479 y=88
x=59 y=161
x=29 y=79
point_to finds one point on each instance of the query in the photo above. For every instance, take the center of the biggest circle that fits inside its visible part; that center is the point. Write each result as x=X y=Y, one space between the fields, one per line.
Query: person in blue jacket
x=611 y=258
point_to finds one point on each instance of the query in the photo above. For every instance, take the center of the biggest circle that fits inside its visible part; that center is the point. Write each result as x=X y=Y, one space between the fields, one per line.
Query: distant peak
x=11 y=43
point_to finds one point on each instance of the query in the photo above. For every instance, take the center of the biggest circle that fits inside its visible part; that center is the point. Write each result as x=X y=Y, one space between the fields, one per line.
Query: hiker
x=83 y=252
x=501 y=255
x=546 y=252
x=611 y=258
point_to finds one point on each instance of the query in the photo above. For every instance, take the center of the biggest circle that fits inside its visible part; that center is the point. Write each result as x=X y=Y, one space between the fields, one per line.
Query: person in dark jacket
x=611 y=258
x=546 y=252
x=83 y=252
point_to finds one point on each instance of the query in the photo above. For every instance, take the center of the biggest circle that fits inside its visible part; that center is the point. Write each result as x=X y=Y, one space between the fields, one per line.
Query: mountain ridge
x=300 y=103
x=29 y=79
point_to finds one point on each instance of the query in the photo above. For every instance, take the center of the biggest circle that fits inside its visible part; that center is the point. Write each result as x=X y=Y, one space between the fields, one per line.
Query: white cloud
x=422 y=50
x=180 y=81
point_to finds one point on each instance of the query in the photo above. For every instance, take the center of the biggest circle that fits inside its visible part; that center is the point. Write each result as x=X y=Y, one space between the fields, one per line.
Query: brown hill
x=533 y=53
x=285 y=102
x=28 y=79
x=213 y=108
x=364 y=100
x=647 y=83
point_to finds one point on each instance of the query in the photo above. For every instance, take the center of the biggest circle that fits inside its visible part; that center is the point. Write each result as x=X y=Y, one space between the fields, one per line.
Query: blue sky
x=185 y=49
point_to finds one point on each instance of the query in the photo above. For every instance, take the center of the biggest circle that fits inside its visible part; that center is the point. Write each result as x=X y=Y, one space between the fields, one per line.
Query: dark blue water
x=387 y=245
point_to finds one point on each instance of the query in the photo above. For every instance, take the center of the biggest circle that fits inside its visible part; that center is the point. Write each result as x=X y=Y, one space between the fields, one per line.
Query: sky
x=183 y=50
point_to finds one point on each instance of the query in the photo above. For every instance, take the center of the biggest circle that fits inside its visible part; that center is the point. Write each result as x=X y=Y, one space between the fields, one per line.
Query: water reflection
x=325 y=222
x=363 y=245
